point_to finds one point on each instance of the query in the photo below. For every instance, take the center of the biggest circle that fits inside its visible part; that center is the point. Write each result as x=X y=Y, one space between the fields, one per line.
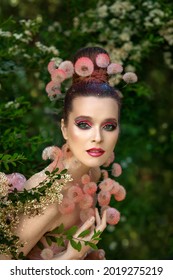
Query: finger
x=103 y=224
x=98 y=220
x=96 y=255
x=101 y=254
x=86 y=225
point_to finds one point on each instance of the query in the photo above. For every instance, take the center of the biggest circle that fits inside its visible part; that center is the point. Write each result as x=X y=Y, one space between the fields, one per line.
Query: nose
x=97 y=135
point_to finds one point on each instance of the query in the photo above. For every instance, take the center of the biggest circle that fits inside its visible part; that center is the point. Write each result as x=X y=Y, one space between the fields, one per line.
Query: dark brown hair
x=94 y=85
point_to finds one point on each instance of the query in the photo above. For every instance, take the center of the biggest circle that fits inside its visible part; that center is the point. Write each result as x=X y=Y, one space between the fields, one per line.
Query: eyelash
x=110 y=125
x=84 y=125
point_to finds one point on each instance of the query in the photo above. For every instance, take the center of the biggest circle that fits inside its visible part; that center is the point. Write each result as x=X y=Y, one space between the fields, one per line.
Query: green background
x=138 y=34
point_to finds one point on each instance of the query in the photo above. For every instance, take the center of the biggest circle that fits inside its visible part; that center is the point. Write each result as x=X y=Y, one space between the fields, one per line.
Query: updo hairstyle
x=96 y=84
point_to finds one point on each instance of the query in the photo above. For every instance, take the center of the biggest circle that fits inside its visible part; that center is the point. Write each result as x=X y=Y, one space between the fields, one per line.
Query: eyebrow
x=89 y=118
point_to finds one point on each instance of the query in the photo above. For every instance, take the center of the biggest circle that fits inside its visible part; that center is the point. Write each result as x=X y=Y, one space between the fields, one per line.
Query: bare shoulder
x=53 y=153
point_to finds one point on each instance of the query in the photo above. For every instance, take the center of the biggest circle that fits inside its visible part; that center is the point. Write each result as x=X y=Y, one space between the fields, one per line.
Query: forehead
x=102 y=107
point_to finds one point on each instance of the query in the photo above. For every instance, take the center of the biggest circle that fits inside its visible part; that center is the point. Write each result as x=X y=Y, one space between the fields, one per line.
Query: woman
x=90 y=127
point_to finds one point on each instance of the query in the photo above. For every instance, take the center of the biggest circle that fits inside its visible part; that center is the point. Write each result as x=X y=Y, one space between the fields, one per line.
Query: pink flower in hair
x=67 y=206
x=51 y=66
x=86 y=202
x=112 y=216
x=130 y=77
x=116 y=169
x=58 y=75
x=75 y=193
x=85 y=214
x=84 y=66
x=90 y=188
x=53 y=89
x=121 y=194
x=85 y=179
x=114 y=68
x=104 y=198
x=102 y=60
x=68 y=67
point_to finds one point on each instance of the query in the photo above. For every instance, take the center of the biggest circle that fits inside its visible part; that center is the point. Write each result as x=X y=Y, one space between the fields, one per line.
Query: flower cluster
x=83 y=67
x=109 y=25
x=86 y=194
x=27 y=202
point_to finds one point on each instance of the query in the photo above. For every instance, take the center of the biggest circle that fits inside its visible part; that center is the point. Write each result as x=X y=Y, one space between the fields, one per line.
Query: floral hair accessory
x=84 y=66
x=102 y=60
x=58 y=75
x=51 y=66
x=53 y=89
x=68 y=67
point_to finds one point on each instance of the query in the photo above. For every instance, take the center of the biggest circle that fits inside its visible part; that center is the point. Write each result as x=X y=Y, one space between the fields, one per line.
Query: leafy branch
x=29 y=202
x=59 y=235
x=7 y=159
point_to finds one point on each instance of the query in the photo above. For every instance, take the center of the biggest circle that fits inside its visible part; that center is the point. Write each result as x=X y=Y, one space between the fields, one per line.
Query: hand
x=95 y=255
x=71 y=253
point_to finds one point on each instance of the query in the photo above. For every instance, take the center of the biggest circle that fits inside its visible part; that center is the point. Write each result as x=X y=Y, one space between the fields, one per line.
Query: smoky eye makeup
x=86 y=123
x=83 y=123
x=110 y=126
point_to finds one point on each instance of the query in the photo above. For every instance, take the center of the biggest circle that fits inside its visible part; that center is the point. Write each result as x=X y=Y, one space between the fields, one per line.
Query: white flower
x=102 y=11
x=46 y=254
x=130 y=77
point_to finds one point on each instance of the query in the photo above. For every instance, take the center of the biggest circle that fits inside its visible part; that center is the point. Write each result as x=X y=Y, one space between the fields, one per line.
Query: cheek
x=75 y=135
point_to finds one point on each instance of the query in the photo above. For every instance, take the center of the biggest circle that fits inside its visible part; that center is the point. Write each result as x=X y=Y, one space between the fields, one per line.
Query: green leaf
x=55 y=171
x=96 y=234
x=84 y=233
x=49 y=242
x=40 y=245
x=6 y=166
x=58 y=230
x=64 y=171
x=71 y=231
x=96 y=238
x=92 y=245
x=60 y=241
x=76 y=245
x=52 y=238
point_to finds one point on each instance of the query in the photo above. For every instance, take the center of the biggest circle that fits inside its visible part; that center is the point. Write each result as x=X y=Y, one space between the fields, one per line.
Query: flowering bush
x=139 y=36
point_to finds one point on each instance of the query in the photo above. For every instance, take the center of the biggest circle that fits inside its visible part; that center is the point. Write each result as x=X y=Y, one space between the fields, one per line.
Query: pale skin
x=93 y=123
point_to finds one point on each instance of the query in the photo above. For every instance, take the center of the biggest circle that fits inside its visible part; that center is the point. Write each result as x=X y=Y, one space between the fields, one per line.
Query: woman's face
x=92 y=129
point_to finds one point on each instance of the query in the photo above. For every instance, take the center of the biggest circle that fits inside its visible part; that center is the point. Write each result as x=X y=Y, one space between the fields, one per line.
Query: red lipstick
x=95 y=152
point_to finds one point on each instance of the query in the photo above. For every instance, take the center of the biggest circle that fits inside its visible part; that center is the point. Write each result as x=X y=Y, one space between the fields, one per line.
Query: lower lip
x=95 y=154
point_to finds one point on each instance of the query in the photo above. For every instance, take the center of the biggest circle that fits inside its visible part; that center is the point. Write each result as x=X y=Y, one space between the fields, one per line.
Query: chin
x=93 y=163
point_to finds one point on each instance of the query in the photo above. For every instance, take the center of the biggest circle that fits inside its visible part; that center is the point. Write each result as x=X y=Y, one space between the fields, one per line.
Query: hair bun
x=91 y=64
x=98 y=75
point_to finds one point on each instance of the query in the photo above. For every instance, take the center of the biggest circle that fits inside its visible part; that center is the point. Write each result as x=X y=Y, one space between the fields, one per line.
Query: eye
x=83 y=125
x=110 y=127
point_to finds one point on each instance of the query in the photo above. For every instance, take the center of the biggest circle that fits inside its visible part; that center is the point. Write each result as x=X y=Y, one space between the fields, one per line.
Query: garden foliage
x=138 y=34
